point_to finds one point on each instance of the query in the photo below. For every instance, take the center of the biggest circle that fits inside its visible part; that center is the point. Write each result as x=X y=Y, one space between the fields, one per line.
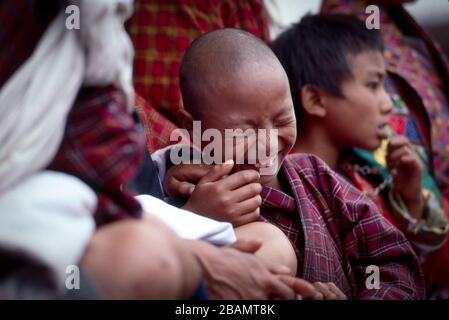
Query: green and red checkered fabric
x=161 y=31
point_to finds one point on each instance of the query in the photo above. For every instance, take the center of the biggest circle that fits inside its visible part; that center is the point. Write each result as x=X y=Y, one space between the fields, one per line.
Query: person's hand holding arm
x=235 y=273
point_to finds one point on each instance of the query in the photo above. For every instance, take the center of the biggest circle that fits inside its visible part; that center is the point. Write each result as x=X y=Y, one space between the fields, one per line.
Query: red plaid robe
x=22 y=24
x=337 y=233
x=103 y=147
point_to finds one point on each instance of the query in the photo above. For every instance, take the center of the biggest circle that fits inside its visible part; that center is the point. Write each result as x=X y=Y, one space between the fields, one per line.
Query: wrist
x=187 y=206
x=414 y=205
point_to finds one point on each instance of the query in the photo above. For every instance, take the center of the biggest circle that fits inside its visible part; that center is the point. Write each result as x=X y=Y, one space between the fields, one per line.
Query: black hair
x=316 y=51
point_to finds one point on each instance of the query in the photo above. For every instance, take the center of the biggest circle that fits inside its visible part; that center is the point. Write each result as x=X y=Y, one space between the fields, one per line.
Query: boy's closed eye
x=284 y=118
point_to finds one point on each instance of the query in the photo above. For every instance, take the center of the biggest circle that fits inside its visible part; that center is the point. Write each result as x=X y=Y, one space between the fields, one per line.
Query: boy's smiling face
x=359 y=117
x=256 y=99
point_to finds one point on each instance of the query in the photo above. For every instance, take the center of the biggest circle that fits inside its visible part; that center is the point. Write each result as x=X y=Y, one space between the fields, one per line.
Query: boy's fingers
x=248 y=206
x=392 y=147
x=180 y=188
x=409 y=160
x=340 y=295
x=398 y=141
x=188 y=172
x=247 y=245
x=277 y=268
x=301 y=287
x=246 y=192
x=241 y=178
x=217 y=172
x=397 y=154
x=280 y=290
x=178 y=175
x=247 y=218
x=324 y=290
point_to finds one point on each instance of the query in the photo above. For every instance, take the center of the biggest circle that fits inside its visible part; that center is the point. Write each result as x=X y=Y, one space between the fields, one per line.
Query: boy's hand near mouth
x=406 y=169
x=234 y=198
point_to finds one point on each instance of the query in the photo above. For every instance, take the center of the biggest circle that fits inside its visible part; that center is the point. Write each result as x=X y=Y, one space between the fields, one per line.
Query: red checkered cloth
x=17 y=43
x=339 y=233
x=157 y=127
x=103 y=147
x=162 y=30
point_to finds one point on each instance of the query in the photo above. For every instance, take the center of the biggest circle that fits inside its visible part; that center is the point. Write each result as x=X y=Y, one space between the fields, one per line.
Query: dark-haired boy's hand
x=227 y=197
x=406 y=169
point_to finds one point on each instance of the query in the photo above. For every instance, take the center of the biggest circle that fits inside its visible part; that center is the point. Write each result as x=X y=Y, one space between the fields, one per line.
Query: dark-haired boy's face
x=256 y=100
x=359 y=117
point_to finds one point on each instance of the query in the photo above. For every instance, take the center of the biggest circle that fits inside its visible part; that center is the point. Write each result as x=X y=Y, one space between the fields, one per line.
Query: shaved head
x=232 y=80
x=220 y=61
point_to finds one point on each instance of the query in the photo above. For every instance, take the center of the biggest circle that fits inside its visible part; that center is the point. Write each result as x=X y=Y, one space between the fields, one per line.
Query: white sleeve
x=186 y=224
x=162 y=161
x=48 y=217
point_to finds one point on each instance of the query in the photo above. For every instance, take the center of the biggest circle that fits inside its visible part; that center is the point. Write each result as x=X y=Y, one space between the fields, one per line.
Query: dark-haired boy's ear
x=185 y=119
x=312 y=101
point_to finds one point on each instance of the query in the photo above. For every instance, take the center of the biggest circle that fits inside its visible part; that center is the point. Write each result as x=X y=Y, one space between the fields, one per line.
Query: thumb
x=248 y=246
x=218 y=171
x=302 y=287
x=181 y=189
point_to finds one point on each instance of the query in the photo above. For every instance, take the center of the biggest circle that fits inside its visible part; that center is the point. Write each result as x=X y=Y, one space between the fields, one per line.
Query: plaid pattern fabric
x=157 y=127
x=162 y=30
x=340 y=233
x=103 y=147
x=18 y=43
x=275 y=205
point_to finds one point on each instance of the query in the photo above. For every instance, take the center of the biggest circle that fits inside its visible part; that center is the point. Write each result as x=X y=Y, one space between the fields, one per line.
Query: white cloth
x=48 y=218
x=186 y=224
x=110 y=53
x=161 y=158
x=35 y=101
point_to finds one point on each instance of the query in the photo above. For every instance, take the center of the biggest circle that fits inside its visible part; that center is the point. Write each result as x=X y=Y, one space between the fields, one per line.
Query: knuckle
x=258 y=201
x=256 y=188
x=216 y=188
x=225 y=200
x=257 y=213
x=229 y=213
x=249 y=175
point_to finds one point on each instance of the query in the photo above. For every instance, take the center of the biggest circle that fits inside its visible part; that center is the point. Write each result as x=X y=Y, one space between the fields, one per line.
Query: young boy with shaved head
x=231 y=80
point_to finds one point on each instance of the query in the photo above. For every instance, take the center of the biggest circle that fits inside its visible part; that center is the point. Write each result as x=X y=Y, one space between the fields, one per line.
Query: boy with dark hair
x=229 y=79
x=336 y=72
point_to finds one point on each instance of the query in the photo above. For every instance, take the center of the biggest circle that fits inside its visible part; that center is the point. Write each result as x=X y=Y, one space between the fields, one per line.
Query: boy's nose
x=386 y=103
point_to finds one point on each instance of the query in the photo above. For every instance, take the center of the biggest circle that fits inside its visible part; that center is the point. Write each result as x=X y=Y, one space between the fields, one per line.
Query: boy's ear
x=185 y=119
x=312 y=101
